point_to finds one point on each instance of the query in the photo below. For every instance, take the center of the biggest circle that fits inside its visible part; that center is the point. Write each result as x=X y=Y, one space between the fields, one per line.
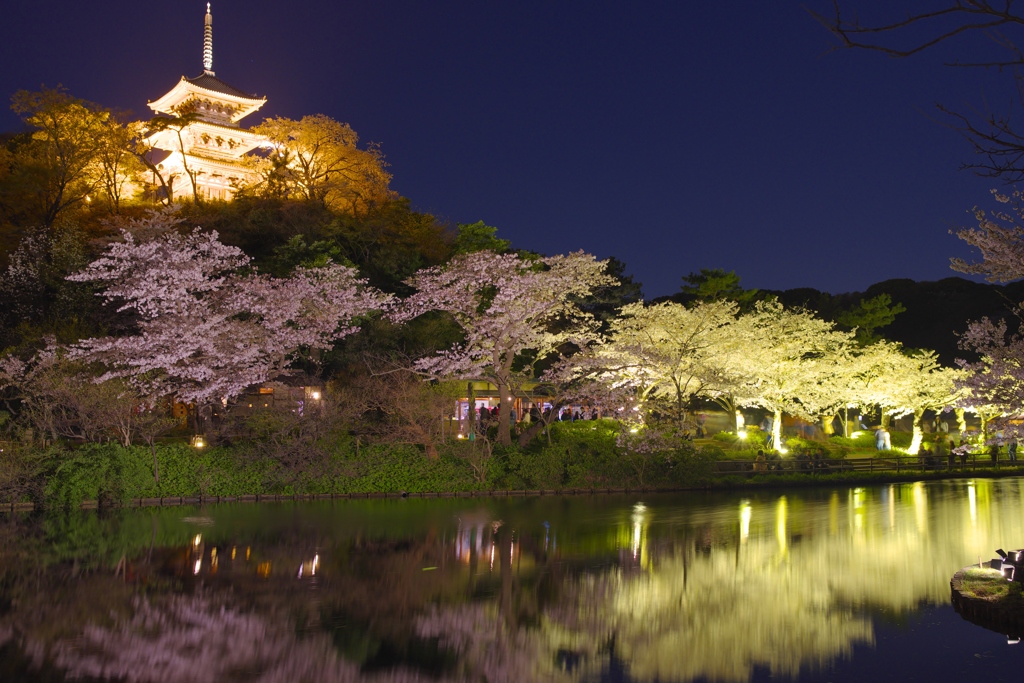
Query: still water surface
x=844 y=584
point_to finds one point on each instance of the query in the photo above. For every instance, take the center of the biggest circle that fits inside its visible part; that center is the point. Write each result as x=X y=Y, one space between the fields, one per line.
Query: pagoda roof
x=210 y=87
x=208 y=81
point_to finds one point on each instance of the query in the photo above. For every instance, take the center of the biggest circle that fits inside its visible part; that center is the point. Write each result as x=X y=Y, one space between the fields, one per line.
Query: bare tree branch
x=997 y=145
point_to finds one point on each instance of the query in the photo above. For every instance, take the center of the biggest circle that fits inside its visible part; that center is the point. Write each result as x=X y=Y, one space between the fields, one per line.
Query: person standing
x=880 y=438
x=1011 y=450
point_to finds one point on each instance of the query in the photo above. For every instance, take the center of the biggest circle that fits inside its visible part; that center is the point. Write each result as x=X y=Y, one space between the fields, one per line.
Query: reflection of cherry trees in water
x=777 y=584
x=201 y=640
x=550 y=590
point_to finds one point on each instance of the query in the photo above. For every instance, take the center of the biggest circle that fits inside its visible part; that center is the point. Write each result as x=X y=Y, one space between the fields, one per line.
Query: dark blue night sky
x=672 y=135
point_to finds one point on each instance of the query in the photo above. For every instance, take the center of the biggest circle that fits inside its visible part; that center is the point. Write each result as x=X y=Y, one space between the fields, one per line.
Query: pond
x=829 y=584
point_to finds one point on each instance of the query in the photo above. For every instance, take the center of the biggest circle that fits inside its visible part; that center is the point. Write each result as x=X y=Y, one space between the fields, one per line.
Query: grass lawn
x=985 y=584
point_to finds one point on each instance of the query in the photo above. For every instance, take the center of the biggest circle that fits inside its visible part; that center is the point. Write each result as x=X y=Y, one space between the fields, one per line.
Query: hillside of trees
x=127 y=313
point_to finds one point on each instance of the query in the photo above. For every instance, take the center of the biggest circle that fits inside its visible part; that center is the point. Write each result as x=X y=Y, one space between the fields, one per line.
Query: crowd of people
x=537 y=413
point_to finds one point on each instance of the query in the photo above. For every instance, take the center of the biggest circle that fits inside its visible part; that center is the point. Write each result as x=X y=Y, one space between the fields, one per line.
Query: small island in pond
x=992 y=596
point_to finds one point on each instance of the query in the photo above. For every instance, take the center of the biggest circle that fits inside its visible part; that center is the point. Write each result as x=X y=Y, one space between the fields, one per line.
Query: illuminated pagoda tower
x=208 y=144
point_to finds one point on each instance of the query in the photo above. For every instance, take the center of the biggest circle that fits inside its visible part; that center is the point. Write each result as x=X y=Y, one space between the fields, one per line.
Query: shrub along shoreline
x=579 y=458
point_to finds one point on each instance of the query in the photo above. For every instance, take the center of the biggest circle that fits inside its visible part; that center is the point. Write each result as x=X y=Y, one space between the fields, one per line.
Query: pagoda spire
x=208 y=42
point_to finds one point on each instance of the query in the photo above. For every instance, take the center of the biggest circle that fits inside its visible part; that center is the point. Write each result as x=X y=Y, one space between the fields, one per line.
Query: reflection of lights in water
x=263 y=569
x=199 y=565
x=309 y=567
x=638 y=519
x=197 y=540
x=858 y=497
x=248 y=549
x=920 y=507
x=780 y=524
x=892 y=506
x=470 y=540
x=492 y=556
x=858 y=508
x=233 y=549
x=744 y=609
x=744 y=519
x=213 y=560
x=972 y=502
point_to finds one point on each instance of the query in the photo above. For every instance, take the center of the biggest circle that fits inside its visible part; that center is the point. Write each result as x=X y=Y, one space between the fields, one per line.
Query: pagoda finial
x=208 y=42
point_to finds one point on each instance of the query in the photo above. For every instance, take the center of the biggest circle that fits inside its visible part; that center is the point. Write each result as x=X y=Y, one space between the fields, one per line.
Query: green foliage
x=405 y=468
x=605 y=302
x=715 y=284
x=833 y=450
x=584 y=454
x=295 y=252
x=866 y=440
x=39 y=300
x=115 y=474
x=21 y=469
x=870 y=315
x=755 y=439
x=390 y=243
x=479 y=237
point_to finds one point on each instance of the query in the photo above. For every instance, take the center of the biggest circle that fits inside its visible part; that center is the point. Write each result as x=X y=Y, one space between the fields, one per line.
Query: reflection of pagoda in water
x=203 y=141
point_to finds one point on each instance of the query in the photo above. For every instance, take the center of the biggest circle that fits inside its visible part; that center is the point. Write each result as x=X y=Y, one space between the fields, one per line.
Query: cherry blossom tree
x=208 y=328
x=992 y=387
x=667 y=353
x=999 y=237
x=788 y=358
x=508 y=306
x=921 y=384
x=875 y=370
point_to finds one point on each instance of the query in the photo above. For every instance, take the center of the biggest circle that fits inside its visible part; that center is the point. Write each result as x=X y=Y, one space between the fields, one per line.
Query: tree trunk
x=471 y=414
x=885 y=420
x=915 y=442
x=504 y=423
x=827 y=422
x=777 y=430
x=527 y=436
x=961 y=421
x=156 y=465
x=741 y=424
x=680 y=411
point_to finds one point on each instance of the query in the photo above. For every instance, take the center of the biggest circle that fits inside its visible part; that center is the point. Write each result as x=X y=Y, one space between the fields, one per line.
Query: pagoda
x=200 y=137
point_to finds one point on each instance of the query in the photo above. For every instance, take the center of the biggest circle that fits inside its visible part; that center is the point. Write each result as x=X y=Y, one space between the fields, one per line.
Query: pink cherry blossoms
x=506 y=305
x=208 y=328
x=994 y=384
x=1000 y=239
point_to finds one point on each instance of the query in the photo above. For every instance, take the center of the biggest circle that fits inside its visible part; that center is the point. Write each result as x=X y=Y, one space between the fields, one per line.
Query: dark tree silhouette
x=985 y=33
